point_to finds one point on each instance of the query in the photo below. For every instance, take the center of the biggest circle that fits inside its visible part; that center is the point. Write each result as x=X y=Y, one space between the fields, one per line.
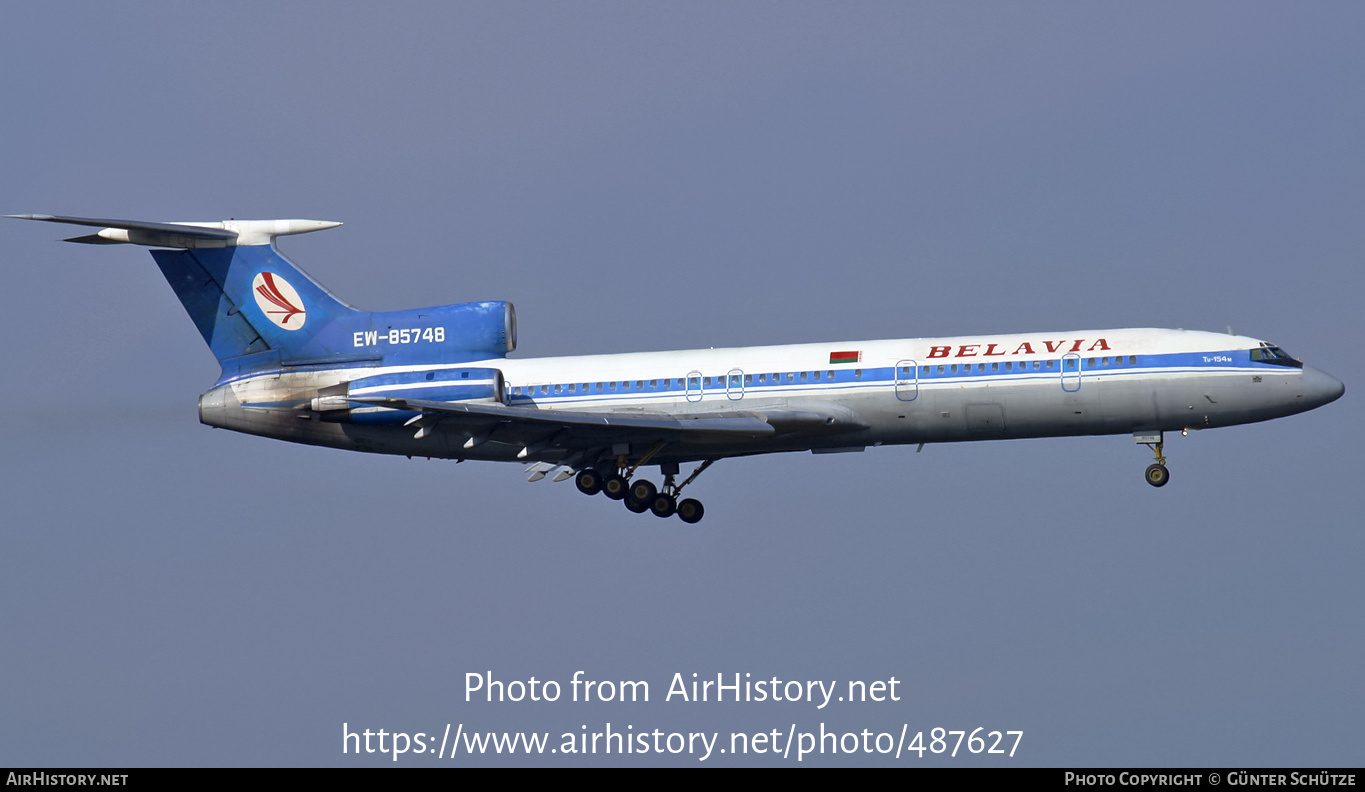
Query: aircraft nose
x=1319 y=387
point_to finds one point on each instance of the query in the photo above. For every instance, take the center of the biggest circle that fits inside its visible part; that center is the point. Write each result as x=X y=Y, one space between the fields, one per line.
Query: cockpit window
x=1269 y=353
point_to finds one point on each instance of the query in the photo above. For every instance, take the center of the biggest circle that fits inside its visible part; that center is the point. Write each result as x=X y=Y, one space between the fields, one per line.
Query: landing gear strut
x=1157 y=475
x=641 y=495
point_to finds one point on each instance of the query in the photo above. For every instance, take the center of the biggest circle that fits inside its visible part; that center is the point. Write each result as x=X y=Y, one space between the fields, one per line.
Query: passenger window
x=940 y=369
x=762 y=378
x=1132 y=360
x=653 y=383
x=611 y=386
x=559 y=389
x=1009 y=365
x=1051 y=364
x=639 y=384
x=995 y=367
x=803 y=376
x=572 y=388
x=748 y=379
x=953 y=368
x=857 y=374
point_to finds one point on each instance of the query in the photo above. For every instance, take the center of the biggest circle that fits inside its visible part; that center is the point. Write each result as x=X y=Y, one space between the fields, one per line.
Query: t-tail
x=258 y=312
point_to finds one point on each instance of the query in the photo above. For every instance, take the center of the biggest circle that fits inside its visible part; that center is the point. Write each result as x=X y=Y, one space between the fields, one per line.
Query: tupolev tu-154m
x=300 y=365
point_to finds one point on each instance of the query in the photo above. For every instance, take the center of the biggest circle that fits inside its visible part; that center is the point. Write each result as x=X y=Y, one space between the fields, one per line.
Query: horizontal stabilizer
x=215 y=234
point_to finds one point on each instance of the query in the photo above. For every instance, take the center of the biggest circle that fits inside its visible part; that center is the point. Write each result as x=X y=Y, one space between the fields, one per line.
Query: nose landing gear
x=1157 y=475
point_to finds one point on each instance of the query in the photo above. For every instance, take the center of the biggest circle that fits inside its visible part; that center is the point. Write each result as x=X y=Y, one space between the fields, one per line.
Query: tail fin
x=258 y=312
x=249 y=300
x=253 y=306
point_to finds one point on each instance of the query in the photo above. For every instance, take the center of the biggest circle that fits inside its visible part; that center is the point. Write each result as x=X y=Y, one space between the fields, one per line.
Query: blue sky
x=679 y=175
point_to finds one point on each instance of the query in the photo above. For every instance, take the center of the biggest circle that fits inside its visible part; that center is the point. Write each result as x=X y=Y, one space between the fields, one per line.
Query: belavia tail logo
x=278 y=301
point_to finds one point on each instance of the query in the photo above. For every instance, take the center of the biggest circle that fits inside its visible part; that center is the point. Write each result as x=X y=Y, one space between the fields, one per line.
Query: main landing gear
x=641 y=495
x=1157 y=475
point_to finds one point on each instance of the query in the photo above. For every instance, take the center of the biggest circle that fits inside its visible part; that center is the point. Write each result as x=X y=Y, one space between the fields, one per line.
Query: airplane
x=299 y=365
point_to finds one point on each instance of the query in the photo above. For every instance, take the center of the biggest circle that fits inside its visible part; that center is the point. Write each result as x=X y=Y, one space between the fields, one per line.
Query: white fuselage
x=870 y=392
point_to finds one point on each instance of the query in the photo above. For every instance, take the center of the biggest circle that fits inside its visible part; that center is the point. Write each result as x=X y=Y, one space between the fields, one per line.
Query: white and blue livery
x=300 y=365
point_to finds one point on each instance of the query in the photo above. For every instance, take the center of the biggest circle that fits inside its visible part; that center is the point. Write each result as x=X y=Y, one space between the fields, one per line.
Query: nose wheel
x=1158 y=475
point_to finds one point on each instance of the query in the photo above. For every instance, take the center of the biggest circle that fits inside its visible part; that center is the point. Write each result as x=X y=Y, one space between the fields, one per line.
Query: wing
x=594 y=425
x=575 y=430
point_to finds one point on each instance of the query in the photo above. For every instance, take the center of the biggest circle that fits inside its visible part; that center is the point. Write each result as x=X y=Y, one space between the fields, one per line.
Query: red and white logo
x=278 y=301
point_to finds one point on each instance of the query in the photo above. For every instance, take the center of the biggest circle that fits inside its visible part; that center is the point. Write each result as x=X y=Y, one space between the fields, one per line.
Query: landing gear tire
x=615 y=487
x=1157 y=475
x=589 y=481
x=639 y=507
x=643 y=491
x=663 y=506
x=690 y=511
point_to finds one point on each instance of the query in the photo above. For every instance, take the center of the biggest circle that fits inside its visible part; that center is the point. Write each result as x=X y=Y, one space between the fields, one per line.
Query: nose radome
x=1319 y=387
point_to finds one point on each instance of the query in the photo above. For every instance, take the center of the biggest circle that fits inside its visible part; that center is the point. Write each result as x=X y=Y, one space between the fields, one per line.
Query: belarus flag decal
x=845 y=357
